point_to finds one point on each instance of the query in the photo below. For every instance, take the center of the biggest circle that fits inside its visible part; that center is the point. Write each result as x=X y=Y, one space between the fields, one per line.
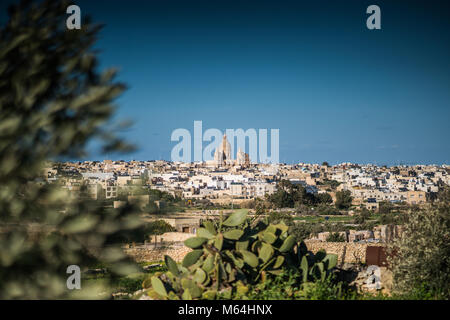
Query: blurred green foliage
x=53 y=101
x=144 y=232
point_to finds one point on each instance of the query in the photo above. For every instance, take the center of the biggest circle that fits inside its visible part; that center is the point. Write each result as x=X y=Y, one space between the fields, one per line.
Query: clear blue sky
x=336 y=90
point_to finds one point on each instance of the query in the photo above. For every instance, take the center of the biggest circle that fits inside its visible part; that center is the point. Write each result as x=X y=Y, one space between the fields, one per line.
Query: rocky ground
x=366 y=278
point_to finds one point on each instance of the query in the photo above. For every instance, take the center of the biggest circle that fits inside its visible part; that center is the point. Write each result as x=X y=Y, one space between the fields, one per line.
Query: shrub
x=420 y=259
x=289 y=286
x=130 y=283
x=323 y=289
x=281 y=287
x=336 y=237
x=230 y=256
x=420 y=293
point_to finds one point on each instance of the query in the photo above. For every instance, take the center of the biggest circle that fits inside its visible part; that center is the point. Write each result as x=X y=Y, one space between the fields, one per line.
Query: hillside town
x=330 y=207
x=224 y=180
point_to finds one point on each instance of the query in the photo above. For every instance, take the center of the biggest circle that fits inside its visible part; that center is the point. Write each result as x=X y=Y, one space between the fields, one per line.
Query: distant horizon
x=281 y=163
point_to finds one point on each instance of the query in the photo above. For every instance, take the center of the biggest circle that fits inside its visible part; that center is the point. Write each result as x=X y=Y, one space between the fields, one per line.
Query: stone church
x=222 y=155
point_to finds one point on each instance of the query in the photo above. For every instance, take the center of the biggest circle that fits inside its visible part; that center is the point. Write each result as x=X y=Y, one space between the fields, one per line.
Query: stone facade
x=360 y=235
x=388 y=233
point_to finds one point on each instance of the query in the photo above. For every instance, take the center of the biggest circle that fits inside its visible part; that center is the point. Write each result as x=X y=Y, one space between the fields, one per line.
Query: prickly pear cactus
x=229 y=255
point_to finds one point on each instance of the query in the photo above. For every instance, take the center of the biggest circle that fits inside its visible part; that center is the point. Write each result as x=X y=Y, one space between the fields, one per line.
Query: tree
x=291 y=195
x=324 y=198
x=53 y=101
x=420 y=258
x=343 y=199
x=281 y=199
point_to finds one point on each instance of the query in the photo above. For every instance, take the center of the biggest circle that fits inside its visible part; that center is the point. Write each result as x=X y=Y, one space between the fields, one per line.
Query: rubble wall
x=348 y=252
x=151 y=254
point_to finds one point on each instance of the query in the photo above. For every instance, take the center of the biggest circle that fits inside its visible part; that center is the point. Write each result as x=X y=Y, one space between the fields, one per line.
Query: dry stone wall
x=348 y=252
x=151 y=254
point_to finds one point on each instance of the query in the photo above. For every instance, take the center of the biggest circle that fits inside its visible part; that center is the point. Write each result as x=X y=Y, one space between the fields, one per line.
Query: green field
x=348 y=219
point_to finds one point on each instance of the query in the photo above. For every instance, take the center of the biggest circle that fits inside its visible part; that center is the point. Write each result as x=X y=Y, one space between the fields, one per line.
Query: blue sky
x=336 y=90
